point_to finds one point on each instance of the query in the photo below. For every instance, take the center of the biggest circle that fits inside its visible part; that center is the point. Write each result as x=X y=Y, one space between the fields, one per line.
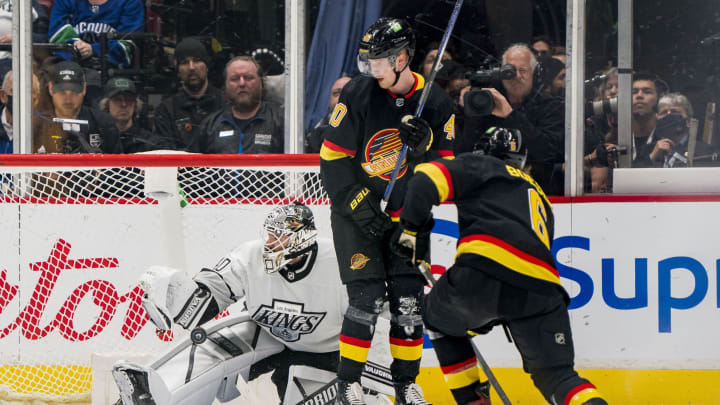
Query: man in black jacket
x=248 y=124
x=519 y=105
x=122 y=104
x=178 y=117
x=73 y=127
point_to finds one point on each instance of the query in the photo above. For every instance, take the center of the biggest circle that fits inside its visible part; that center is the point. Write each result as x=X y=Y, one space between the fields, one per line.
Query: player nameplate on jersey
x=399 y=102
x=288 y=320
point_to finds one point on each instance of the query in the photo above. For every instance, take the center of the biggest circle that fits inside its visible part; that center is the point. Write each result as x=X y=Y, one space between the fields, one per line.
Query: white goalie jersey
x=301 y=307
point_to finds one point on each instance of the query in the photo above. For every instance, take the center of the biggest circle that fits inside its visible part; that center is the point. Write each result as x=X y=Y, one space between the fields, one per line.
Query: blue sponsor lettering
x=666 y=270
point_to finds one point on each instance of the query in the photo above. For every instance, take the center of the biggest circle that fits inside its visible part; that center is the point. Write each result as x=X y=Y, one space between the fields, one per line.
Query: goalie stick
x=423 y=98
x=424 y=268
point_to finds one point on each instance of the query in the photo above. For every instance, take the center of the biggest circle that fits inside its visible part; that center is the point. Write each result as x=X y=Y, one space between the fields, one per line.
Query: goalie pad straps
x=194 y=308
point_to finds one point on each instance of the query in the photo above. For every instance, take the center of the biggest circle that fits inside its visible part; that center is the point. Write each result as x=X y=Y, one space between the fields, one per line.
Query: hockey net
x=78 y=231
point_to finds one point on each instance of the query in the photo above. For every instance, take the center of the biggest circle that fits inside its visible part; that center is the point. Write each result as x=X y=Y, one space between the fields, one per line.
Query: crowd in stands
x=76 y=112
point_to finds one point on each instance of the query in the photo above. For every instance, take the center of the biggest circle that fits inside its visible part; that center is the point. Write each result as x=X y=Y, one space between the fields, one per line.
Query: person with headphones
x=248 y=123
x=520 y=104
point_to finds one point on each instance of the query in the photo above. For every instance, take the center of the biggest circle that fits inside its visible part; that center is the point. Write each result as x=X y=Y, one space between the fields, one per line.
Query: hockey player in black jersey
x=504 y=271
x=369 y=125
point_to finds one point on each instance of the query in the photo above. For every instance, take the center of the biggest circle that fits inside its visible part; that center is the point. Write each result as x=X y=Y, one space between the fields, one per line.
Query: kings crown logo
x=288 y=320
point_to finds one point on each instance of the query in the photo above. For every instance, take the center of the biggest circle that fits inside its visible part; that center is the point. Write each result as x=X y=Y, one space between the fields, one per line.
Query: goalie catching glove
x=171 y=296
x=416 y=133
x=364 y=208
x=413 y=242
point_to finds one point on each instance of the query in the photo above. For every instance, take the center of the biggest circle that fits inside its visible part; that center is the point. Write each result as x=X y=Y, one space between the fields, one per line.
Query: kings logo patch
x=288 y=320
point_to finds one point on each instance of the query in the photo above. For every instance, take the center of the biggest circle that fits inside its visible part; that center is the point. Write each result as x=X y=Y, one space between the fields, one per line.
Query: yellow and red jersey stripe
x=508 y=256
x=332 y=151
x=406 y=349
x=440 y=176
x=354 y=348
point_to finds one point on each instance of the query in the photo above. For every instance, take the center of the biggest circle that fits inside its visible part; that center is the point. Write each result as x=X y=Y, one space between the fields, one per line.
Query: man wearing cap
x=122 y=104
x=73 y=127
x=178 y=117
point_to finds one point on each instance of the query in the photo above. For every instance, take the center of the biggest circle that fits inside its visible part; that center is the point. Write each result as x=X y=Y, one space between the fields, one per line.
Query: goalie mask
x=288 y=232
x=503 y=143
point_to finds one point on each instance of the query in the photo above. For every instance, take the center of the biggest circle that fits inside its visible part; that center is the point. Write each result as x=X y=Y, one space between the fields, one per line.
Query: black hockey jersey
x=362 y=143
x=505 y=219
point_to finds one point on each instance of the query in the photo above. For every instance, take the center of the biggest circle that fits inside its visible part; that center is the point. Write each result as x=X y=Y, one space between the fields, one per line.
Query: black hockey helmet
x=503 y=143
x=386 y=37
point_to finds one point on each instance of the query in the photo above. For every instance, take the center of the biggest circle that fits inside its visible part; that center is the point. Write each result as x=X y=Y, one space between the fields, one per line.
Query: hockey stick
x=423 y=98
x=424 y=268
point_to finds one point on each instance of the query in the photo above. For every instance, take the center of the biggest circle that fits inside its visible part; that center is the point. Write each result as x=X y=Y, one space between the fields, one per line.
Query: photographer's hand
x=501 y=107
x=464 y=90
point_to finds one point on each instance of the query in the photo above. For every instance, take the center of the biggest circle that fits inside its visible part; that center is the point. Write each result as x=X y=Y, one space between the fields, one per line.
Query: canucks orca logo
x=288 y=320
x=381 y=153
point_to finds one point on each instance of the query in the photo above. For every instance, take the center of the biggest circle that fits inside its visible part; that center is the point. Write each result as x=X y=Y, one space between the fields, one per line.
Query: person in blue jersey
x=81 y=22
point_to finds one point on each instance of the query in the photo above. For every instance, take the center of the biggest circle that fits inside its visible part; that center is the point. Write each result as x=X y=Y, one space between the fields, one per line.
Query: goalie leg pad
x=191 y=374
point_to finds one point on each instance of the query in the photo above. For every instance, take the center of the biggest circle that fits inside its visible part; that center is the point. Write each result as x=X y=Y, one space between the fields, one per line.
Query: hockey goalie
x=295 y=306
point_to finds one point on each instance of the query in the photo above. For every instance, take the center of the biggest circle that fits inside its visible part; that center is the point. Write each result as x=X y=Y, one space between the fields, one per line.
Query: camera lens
x=478 y=103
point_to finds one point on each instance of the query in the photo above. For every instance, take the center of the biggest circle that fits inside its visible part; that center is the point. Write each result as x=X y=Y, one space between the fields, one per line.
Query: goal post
x=79 y=230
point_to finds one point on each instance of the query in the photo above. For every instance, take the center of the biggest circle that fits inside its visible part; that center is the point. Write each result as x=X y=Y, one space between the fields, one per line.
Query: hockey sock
x=459 y=366
x=406 y=329
x=355 y=340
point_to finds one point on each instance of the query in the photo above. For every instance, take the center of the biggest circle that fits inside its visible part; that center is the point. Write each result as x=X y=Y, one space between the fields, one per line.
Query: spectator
x=81 y=22
x=40 y=29
x=6 y=117
x=542 y=46
x=519 y=105
x=248 y=124
x=315 y=138
x=431 y=56
x=672 y=133
x=74 y=128
x=122 y=103
x=6 y=134
x=552 y=76
x=178 y=117
x=644 y=107
x=559 y=52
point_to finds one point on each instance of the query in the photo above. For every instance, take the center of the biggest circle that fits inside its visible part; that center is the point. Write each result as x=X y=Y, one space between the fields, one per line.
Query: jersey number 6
x=538 y=216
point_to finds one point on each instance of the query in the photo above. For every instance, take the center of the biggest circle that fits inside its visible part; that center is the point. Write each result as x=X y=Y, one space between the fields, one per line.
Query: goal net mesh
x=77 y=234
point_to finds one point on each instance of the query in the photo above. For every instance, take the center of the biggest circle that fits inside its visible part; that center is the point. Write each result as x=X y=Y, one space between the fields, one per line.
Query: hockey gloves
x=416 y=133
x=364 y=208
x=413 y=242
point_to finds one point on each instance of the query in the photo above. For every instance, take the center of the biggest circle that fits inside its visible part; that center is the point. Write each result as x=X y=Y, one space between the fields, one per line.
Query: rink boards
x=643 y=274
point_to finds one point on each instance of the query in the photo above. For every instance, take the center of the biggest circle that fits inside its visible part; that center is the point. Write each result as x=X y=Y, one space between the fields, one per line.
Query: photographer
x=515 y=102
x=600 y=131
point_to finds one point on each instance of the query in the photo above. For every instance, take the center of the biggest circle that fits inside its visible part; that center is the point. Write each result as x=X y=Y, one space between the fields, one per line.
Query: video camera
x=479 y=102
